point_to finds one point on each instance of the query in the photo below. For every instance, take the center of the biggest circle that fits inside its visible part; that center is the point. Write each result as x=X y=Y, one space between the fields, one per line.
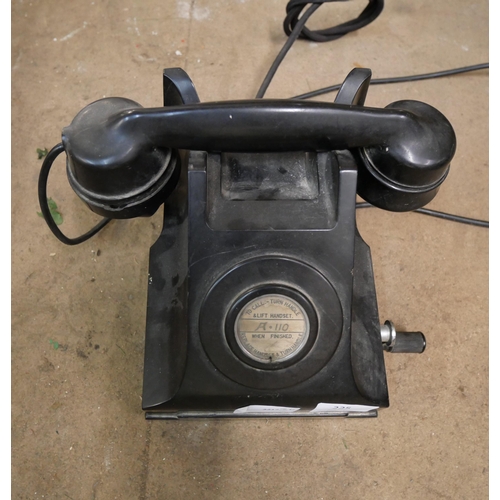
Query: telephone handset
x=242 y=183
x=121 y=155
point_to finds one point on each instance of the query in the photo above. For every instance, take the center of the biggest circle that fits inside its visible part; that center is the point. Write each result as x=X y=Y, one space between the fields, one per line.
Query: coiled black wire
x=295 y=28
x=295 y=7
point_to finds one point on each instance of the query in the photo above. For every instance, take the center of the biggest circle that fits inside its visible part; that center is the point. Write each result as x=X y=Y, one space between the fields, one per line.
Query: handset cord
x=295 y=28
x=44 y=204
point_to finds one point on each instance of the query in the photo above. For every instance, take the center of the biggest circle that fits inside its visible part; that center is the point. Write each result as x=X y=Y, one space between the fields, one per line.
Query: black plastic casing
x=197 y=273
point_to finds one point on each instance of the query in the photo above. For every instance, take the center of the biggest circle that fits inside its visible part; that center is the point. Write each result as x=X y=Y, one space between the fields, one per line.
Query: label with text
x=272 y=328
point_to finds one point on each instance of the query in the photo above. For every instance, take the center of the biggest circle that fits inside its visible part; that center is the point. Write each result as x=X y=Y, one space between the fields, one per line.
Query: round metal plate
x=271 y=328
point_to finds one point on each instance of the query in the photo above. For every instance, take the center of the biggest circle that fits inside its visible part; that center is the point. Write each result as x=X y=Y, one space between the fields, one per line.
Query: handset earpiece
x=118 y=174
x=406 y=174
x=122 y=158
x=385 y=178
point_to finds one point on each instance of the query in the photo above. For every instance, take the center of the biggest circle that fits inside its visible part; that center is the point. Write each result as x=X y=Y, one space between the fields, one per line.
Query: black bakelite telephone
x=261 y=294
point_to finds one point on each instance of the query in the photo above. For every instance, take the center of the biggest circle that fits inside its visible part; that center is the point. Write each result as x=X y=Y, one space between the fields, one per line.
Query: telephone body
x=261 y=298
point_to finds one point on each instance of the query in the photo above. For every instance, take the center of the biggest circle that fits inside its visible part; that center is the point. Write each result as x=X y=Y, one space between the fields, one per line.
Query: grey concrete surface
x=78 y=431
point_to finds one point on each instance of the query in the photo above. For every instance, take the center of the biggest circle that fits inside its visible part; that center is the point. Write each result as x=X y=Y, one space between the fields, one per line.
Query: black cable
x=398 y=79
x=44 y=205
x=295 y=7
x=440 y=215
x=293 y=35
x=295 y=27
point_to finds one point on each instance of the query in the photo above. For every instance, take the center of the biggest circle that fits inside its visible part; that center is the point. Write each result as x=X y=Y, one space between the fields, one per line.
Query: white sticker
x=338 y=408
x=265 y=409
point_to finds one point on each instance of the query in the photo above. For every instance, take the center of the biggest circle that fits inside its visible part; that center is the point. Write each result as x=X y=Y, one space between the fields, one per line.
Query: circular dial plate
x=271 y=328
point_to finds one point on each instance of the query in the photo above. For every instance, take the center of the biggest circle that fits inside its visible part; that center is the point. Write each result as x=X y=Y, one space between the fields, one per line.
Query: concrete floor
x=78 y=313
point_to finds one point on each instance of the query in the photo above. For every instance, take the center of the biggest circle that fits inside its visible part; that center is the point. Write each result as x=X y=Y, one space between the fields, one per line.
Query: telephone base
x=225 y=289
